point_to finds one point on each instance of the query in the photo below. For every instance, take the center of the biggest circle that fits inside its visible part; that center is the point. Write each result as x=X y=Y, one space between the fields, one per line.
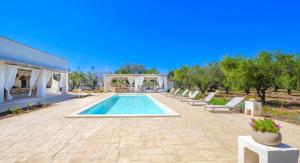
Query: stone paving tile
x=197 y=136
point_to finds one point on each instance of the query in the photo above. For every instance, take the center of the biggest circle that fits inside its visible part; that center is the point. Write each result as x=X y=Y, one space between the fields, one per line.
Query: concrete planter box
x=253 y=108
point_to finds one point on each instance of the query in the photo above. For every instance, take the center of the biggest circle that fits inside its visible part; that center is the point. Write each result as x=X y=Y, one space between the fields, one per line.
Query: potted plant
x=266 y=131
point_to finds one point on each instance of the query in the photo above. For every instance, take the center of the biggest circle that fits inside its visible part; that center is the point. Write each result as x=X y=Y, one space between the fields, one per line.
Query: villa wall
x=25 y=59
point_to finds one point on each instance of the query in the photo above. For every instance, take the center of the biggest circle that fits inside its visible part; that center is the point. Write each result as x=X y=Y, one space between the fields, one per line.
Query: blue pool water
x=125 y=104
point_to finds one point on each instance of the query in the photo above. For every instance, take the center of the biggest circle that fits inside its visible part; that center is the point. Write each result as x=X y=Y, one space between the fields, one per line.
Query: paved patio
x=197 y=136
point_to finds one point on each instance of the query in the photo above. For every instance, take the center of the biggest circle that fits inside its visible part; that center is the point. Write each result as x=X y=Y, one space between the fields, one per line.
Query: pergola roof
x=124 y=76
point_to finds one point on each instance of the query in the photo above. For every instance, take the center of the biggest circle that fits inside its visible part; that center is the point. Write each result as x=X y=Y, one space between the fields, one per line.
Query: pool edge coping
x=169 y=112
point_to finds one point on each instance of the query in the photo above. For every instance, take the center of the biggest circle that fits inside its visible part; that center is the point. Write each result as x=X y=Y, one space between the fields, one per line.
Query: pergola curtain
x=49 y=75
x=130 y=80
x=33 y=78
x=138 y=82
x=160 y=81
x=61 y=79
x=10 y=73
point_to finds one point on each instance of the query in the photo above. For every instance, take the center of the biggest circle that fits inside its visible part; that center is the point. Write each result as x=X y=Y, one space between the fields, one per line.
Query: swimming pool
x=127 y=105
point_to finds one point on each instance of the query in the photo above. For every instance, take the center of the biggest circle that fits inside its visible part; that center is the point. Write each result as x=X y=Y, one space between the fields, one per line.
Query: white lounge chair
x=175 y=93
x=229 y=105
x=202 y=102
x=183 y=94
x=171 y=91
x=191 y=96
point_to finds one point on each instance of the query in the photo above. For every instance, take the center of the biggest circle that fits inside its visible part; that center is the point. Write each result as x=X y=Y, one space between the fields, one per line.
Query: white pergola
x=136 y=80
x=39 y=67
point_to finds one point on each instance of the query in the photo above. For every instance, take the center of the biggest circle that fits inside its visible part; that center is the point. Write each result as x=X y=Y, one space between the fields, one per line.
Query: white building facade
x=28 y=72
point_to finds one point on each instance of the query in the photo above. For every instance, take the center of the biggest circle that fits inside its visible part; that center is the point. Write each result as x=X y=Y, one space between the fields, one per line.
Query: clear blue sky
x=158 y=33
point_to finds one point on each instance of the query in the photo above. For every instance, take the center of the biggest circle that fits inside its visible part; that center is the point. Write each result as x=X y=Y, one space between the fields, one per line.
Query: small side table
x=251 y=151
x=254 y=108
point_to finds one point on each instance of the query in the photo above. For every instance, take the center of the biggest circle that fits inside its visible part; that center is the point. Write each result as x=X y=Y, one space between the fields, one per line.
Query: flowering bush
x=265 y=125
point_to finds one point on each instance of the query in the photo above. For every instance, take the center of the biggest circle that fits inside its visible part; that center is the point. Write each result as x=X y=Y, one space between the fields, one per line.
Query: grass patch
x=200 y=96
x=218 y=101
x=291 y=116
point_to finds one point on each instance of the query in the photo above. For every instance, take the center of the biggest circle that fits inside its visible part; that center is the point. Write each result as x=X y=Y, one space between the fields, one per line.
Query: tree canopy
x=202 y=77
x=136 y=69
x=260 y=73
x=286 y=71
x=75 y=79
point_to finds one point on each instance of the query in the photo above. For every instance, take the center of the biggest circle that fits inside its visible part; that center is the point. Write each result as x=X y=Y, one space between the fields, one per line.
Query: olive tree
x=286 y=68
x=152 y=71
x=257 y=73
x=229 y=65
x=200 y=78
x=92 y=80
x=136 y=69
x=131 y=69
x=170 y=75
x=298 y=70
x=215 y=75
x=75 y=79
x=182 y=78
x=237 y=73
x=263 y=73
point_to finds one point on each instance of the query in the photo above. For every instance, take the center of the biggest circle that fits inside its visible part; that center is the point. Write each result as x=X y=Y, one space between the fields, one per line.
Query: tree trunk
x=202 y=91
x=276 y=88
x=210 y=89
x=71 y=85
x=226 y=90
x=262 y=94
x=247 y=91
x=289 y=91
x=77 y=86
x=179 y=84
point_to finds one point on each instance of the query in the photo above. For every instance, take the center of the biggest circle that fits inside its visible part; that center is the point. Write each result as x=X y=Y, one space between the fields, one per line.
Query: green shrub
x=241 y=107
x=29 y=105
x=218 y=101
x=99 y=90
x=45 y=104
x=265 y=125
x=16 y=110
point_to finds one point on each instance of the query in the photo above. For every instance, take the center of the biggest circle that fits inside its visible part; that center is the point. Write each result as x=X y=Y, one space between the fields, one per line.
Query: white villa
x=26 y=72
x=136 y=83
x=78 y=129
